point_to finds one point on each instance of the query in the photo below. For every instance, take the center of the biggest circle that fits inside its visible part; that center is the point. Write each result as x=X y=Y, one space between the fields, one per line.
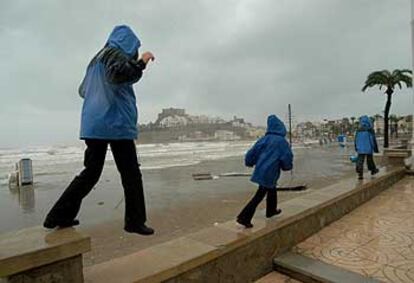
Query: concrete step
x=311 y=270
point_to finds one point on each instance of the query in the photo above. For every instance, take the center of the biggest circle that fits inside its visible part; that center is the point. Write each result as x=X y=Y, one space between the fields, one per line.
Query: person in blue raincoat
x=365 y=146
x=109 y=117
x=269 y=155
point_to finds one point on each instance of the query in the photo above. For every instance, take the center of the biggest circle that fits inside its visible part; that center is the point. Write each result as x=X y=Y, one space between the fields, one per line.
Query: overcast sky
x=220 y=58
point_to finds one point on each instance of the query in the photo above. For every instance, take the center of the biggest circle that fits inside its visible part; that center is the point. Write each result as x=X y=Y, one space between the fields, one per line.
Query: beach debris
x=12 y=179
x=209 y=176
x=235 y=174
x=202 y=176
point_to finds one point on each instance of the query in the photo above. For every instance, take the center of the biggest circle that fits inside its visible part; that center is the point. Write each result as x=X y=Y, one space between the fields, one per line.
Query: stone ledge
x=35 y=247
x=154 y=264
x=227 y=252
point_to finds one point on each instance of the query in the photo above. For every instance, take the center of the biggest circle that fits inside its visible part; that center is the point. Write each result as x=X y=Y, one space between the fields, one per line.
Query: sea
x=53 y=160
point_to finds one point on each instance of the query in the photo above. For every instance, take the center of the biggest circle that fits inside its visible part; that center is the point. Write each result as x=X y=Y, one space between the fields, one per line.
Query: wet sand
x=178 y=205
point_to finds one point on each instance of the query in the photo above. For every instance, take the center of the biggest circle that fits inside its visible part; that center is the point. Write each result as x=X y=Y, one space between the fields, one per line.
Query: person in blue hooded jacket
x=269 y=155
x=109 y=117
x=365 y=146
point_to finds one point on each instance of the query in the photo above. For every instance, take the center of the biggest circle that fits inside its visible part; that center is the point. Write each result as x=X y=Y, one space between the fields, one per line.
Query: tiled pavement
x=276 y=277
x=375 y=240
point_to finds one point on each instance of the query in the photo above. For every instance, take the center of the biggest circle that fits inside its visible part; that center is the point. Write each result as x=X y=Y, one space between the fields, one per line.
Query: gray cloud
x=246 y=58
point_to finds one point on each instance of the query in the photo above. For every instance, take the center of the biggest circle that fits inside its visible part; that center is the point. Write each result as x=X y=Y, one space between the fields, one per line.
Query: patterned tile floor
x=375 y=240
x=276 y=277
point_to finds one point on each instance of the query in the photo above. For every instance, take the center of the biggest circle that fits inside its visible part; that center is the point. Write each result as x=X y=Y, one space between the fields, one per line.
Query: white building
x=217 y=120
x=202 y=119
x=173 y=121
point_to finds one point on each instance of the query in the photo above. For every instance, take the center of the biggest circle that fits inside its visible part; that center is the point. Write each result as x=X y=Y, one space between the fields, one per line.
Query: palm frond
x=398 y=83
x=379 y=78
x=389 y=80
x=406 y=71
x=406 y=79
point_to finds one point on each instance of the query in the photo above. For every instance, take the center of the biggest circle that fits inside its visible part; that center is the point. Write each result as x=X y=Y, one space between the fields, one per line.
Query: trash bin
x=25 y=172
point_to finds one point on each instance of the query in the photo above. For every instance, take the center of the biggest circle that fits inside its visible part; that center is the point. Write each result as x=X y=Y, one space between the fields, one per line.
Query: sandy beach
x=176 y=204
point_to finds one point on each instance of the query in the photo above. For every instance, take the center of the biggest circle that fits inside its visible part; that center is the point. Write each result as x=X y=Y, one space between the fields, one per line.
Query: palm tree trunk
x=386 y=117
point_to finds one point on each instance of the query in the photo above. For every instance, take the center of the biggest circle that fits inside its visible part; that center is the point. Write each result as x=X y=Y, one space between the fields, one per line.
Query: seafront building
x=175 y=124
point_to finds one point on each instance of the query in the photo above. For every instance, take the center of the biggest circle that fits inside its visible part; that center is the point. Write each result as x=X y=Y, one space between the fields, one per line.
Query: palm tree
x=389 y=81
x=353 y=124
x=353 y=119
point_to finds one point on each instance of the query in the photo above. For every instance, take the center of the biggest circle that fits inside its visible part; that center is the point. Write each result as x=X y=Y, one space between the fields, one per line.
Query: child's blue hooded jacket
x=270 y=154
x=365 y=141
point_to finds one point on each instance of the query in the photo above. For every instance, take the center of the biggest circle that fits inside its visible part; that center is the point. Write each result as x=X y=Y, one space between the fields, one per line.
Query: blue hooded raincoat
x=109 y=110
x=365 y=141
x=270 y=154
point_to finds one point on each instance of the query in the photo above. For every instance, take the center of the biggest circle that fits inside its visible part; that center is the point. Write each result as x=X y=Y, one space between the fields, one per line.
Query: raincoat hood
x=275 y=126
x=365 y=123
x=122 y=37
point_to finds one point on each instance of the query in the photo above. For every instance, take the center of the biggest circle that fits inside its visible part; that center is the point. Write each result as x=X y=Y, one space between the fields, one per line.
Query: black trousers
x=248 y=211
x=361 y=160
x=125 y=156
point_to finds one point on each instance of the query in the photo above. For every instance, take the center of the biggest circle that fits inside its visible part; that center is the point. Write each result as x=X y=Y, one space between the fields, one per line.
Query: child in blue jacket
x=269 y=155
x=365 y=146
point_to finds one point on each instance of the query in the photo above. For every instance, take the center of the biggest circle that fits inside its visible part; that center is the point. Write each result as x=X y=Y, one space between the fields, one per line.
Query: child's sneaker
x=375 y=171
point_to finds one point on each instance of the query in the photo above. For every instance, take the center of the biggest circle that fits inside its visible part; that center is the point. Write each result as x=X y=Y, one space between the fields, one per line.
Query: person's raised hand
x=147 y=56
